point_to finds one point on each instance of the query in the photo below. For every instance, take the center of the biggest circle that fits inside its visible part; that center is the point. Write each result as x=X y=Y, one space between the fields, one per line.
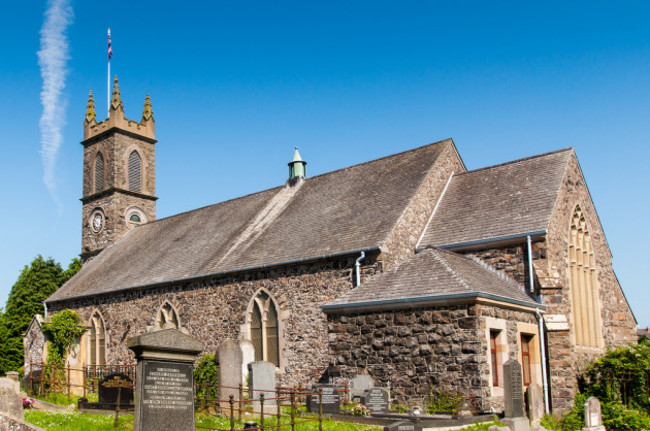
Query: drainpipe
x=540 y=321
x=45 y=310
x=357 y=265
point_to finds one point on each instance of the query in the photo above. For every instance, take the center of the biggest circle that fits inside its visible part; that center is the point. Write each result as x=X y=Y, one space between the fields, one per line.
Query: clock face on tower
x=97 y=221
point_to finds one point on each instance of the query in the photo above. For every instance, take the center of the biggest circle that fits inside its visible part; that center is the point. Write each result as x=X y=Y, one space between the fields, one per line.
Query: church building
x=409 y=268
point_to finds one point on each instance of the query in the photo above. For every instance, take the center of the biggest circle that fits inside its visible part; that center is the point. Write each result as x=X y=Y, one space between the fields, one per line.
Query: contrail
x=52 y=59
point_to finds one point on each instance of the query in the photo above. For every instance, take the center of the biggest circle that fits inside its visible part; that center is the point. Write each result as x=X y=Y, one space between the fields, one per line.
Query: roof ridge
x=446 y=140
x=512 y=162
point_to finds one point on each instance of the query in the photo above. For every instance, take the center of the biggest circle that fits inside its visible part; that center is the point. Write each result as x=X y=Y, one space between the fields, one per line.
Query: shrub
x=206 y=373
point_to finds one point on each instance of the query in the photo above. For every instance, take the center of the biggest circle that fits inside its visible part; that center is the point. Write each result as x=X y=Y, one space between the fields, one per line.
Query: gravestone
x=403 y=426
x=593 y=417
x=11 y=402
x=247 y=355
x=513 y=397
x=376 y=400
x=262 y=380
x=108 y=388
x=229 y=357
x=165 y=384
x=331 y=400
x=512 y=389
x=359 y=384
x=535 y=404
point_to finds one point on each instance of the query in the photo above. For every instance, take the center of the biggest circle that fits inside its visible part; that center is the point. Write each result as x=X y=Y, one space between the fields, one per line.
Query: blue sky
x=236 y=85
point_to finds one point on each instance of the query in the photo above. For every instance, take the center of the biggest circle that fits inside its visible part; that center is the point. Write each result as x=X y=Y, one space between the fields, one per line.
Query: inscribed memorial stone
x=403 y=426
x=165 y=384
x=331 y=399
x=376 y=400
x=512 y=389
x=107 y=393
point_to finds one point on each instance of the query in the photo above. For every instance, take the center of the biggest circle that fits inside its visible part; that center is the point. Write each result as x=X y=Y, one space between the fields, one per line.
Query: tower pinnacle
x=116 y=100
x=90 y=110
x=147 y=112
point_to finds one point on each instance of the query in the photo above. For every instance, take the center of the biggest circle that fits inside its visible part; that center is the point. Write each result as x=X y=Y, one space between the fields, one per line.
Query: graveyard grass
x=69 y=421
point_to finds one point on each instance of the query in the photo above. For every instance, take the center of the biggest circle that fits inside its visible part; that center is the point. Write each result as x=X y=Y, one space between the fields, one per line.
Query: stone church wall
x=400 y=244
x=214 y=309
x=440 y=349
x=550 y=258
x=33 y=345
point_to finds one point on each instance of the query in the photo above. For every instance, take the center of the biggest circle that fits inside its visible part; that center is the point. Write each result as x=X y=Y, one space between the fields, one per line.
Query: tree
x=36 y=282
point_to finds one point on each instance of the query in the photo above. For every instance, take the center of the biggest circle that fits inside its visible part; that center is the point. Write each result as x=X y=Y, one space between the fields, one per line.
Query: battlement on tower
x=116 y=118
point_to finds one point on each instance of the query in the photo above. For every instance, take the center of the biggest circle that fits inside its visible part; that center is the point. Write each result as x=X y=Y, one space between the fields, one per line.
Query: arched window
x=583 y=282
x=135 y=172
x=264 y=329
x=97 y=340
x=99 y=172
x=167 y=318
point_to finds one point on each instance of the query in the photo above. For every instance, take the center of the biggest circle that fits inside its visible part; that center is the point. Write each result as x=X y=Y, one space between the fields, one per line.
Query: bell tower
x=119 y=175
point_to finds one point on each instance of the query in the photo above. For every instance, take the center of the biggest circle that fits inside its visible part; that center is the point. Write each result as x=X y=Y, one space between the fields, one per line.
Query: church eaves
x=341 y=212
x=432 y=277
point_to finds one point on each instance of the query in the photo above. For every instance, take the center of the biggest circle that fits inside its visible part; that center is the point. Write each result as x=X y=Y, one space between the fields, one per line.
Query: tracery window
x=135 y=172
x=584 y=284
x=167 y=317
x=99 y=172
x=97 y=340
x=264 y=329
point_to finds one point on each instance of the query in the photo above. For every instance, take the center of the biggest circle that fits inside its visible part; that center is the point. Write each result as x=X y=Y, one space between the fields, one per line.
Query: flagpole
x=108 y=78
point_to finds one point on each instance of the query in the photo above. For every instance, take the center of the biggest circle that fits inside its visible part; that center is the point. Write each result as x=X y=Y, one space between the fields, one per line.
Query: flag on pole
x=110 y=49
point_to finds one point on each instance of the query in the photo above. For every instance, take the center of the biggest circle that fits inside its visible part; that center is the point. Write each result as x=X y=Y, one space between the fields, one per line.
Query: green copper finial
x=297 y=167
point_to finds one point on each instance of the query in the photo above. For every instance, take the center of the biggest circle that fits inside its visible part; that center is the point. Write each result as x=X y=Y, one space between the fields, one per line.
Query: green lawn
x=75 y=421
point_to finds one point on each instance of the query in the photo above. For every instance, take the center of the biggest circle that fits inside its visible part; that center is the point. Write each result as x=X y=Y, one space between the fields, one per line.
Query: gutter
x=421 y=300
x=540 y=321
x=210 y=275
x=496 y=239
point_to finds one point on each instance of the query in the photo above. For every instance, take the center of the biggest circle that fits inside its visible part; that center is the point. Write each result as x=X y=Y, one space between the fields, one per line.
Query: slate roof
x=498 y=201
x=432 y=275
x=342 y=211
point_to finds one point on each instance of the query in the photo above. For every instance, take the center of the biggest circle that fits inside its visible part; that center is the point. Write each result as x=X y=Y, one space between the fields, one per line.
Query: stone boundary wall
x=215 y=309
x=8 y=423
x=422 y=349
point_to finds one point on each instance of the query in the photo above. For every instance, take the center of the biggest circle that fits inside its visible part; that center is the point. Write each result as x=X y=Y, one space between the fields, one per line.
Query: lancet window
x=135 y=172
x=97 y=340
x=584 y=284
x=99 y=172
x=264 y=329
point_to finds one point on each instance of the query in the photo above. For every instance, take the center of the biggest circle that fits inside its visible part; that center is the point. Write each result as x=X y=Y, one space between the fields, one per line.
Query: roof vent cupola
x=297 y=169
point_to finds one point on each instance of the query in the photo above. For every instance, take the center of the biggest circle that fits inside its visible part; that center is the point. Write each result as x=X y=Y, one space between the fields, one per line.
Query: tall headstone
x=11 y=402
x=262 y=380
x=512 y=389
x=165 y=384
x=535 y=404
x=593 y=416
x=229 y=356
x=247 y=355
x=514 y=397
